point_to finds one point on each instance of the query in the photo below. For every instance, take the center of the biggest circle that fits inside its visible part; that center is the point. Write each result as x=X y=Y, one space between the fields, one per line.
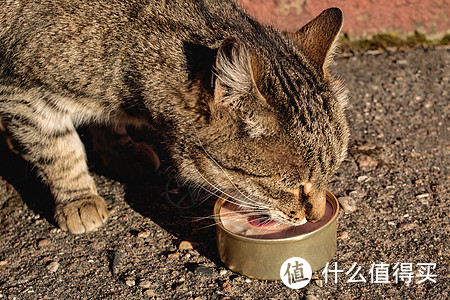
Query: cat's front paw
x=83 y=215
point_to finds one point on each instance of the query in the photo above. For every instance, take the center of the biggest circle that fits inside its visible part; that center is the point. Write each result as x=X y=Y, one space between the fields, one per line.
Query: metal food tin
x=262 y=258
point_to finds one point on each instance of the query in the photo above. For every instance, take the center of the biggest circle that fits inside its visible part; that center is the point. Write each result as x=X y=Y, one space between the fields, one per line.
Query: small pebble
x=367 y=163
x=362 y=178
x=426 y=195
x=424 y=201
x=226 y=285
x=343 y=235
x=116 y=261
x=407 y=226
x=3 y=262
x=143 y=234
x=145 y=284
x=348 y=204
x=42 y=242
x=173 y=255
x=150 y=293
x=185 y=245
x=130 y=282
x=367 y=147
x=310 y=297
x=248 y=280
x=319 y=282
x=223 y=272
x=203 y=270
x=53 y=267
x=353 y=194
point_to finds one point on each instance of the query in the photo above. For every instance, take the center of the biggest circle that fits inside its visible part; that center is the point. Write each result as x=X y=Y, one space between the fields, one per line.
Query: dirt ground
x=394 y=188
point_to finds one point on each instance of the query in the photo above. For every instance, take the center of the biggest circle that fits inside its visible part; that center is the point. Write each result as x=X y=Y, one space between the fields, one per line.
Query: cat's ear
x=233 y=72
x=317 y=38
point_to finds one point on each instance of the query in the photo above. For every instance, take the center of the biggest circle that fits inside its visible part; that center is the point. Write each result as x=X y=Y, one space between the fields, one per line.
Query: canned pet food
x=256 y=248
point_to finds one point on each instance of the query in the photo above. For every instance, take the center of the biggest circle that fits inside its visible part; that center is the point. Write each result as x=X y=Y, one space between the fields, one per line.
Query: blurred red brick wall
x=362 y=18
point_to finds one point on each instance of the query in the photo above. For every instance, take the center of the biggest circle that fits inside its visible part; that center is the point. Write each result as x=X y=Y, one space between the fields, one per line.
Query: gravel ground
x=393 y=187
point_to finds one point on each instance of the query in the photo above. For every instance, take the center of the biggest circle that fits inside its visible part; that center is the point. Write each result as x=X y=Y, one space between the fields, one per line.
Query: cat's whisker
x=226 y=174
x=230 y=197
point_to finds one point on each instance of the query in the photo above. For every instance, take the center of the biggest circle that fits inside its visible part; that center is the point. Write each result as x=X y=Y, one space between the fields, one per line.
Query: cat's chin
x=301 y=222
x=296 y=223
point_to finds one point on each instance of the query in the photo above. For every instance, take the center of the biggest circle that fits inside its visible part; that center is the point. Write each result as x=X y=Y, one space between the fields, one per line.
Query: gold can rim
x=222 y=198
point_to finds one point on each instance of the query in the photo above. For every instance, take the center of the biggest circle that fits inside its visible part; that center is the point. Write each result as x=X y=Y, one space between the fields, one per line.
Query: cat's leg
x=5 y=138
x=46 y=137
x=120 y=154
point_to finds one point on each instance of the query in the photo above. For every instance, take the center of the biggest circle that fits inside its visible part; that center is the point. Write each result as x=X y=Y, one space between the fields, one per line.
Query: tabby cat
x=243 y=108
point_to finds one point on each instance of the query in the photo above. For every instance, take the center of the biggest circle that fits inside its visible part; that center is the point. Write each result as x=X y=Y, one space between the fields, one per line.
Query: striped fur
x=243 y=108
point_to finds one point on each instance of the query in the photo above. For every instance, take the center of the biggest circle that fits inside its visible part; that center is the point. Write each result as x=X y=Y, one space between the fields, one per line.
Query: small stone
x=366 y=147
x=143 y=234
x=150 y=293
x=130 y=282
x=248 y=280
x=366 y=163
x=223 y=272
x=203 y=270
x=362 y=178
x=319 y=282
x=348 y=204
x=145 y=284
x=353 y=194
x=116 y=261
x=53 y=267
x=42 y=243
x=407 y=226
x=310 y=297
x=343 y=235
x=173 y=255
x=426 y=195
x=226 y=285
x=3 y=262
x=424 y=201
x=185 y=245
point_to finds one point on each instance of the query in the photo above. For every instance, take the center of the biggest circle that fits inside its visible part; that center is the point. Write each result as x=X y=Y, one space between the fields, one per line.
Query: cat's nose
x=307 y=187
x=298 y=193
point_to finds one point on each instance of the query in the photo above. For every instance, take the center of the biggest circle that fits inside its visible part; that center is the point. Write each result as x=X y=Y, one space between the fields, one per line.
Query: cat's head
x=276 y=130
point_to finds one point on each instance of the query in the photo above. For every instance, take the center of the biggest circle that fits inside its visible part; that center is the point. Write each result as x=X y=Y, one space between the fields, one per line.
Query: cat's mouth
x=261 y=221
x=265 y=221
